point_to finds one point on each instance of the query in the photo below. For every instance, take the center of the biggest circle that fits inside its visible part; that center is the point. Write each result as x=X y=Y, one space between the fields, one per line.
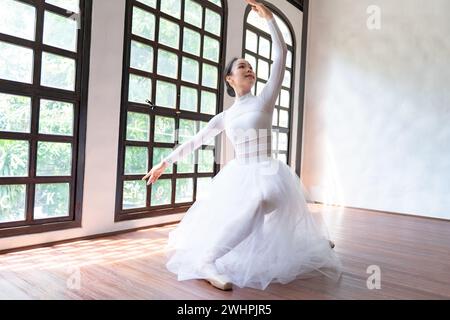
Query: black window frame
x=127 y=106
x=35 y=91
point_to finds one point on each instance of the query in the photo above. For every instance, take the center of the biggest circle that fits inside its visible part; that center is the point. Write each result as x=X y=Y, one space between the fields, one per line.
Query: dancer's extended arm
x=279 y=52
x=213 y=128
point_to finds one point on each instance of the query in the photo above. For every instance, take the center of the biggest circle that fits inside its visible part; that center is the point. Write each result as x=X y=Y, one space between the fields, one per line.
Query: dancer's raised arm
x=279 y=54
x=213 y=128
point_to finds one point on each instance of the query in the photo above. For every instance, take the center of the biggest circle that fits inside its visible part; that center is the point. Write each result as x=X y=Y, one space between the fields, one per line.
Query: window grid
x=176 y=112
x=37 y=93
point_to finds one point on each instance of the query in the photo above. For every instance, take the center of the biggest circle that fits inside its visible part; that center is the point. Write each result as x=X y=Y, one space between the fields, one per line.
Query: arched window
x=257 y=49
x=173 y=53
x=44 y=49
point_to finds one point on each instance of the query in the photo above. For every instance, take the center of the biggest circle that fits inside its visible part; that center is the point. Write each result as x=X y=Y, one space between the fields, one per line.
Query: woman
x=253 y=227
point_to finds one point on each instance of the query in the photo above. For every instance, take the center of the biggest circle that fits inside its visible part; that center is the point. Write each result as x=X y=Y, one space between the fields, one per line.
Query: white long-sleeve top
x=248 y=122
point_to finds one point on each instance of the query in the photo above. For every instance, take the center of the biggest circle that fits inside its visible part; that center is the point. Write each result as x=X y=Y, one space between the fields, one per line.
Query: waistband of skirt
x=246 y=159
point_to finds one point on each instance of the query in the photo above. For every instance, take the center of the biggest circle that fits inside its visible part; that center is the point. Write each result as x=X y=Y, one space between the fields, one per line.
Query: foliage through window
x=173 y=58
x=42 y=78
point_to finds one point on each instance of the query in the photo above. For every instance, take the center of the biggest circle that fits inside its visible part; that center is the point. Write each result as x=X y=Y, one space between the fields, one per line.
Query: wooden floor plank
x=413 y=254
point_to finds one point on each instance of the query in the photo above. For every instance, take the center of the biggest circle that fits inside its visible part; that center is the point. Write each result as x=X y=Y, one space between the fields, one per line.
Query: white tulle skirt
x=255 y=226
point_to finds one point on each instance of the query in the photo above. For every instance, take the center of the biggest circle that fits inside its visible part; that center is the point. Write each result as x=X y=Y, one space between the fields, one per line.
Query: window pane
x=189 y=70
x=143 y=24
x=13 y=158
x=287 y=79
x=56 y=118
x=140 y=89
x=284 y=118
x=159 y=154
x=71 y=5
x=60 y=31
x=203 y=186
x=205 y=161
x=136 y=159
x=186 y=131
x=282 y=141
x=169 y=33
x=17 y=19
x=255 y=20
x=275 y=118
x=186 y=164
x=12 y=203
x=58 y=71
x=282 y=157
x=150 y=3
x=161 y=192
x=263 y=69
x=141 y=56
x=251 y=41
x=193 y=13
x=166 y=94
x=275 y=141
x=138 y=127
x=264 y=47
x=212 y=22
x=289 y=59
x=259 y=87
x=16 y=63
x=188 y=99
x=284 y=100
x=164 y=129
x=211 y=49
x=54 y=159
x=191 y=42
x=210 y=142
x=216 y=2
x=184 y=190
x=209 y=76
x=171 y=7
x=209 y=102
x=15 y=113
x=51 y=200
x=284 y=30
x=134 y=194
x=251 y=59
x=167 y=64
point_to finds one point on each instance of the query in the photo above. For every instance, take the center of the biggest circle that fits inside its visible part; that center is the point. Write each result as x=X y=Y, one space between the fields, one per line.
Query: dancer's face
x=242 y=77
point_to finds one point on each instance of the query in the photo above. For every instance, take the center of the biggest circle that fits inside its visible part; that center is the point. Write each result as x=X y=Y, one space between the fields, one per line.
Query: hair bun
x=230 y=91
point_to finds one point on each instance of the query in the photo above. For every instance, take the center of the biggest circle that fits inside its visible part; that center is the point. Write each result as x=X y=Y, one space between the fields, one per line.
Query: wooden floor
x=413 y=255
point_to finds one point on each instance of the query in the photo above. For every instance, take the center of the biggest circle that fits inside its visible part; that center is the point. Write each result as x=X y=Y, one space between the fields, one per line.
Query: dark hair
x=227 y=72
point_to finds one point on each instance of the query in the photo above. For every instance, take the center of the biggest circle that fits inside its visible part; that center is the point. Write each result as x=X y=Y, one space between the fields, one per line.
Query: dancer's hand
x=260 y=9
x=155 y=172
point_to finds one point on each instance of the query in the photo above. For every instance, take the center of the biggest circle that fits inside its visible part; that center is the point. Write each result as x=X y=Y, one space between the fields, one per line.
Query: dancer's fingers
x=253 y=4
x=147 y=175
x=155 y=176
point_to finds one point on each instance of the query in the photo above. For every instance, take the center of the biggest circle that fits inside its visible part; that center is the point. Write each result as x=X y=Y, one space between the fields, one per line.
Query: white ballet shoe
x=219 y=281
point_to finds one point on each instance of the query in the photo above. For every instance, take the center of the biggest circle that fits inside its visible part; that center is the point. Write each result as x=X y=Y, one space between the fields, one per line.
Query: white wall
x=103 y=119
x=378 y=106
